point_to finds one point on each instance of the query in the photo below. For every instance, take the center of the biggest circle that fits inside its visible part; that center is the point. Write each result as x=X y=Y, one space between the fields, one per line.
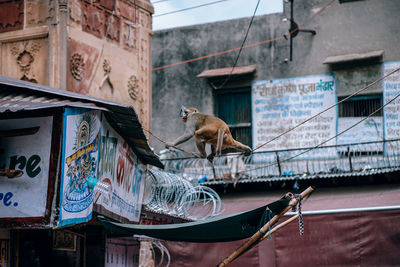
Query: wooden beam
x=259 y=234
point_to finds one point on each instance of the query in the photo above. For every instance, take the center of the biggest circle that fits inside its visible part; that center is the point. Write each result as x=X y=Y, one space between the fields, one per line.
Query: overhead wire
x=328 y=108
x=241 y=48
x=282 y=37
x=251 y=45
x=312 y=117
x=103 y=43
x=189 y=8
x=329 y=139
x=156 y=2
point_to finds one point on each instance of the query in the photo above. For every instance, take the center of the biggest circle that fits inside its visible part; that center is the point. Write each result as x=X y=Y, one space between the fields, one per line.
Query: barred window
x=360 y=106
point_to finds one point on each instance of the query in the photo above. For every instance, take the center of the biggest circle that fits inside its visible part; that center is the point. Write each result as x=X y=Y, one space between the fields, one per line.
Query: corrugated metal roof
x=227 y=71
x=305 y=177
x=17 y=95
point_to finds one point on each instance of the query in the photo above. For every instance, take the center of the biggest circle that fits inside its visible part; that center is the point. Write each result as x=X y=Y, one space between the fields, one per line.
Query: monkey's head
x=186 y=111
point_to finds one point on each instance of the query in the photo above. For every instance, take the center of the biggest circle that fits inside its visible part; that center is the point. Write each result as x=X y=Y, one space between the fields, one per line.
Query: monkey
x=207 y=129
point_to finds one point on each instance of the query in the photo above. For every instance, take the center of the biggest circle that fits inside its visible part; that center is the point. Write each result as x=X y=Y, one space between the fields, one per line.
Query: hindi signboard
x=120 y=168
x=368 y=130
x=25 y=196
x=279 y=105
x=391 y=120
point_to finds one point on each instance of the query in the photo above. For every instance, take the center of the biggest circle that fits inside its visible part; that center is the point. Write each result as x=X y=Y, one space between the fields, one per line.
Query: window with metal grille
x=360 y=106
x=234 y=107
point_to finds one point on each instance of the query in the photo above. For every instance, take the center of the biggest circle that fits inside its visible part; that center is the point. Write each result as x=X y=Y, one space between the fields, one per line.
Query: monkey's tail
x=220 y=141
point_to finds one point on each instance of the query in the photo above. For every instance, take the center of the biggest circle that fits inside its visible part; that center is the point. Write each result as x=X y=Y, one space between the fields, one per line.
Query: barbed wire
x=175 y=195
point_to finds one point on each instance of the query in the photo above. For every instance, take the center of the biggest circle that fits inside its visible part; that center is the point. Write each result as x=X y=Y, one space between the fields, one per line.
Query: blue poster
x=81 y=137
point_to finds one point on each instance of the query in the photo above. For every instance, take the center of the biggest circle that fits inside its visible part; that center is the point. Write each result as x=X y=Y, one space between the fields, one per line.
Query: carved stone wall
x=82 y=61
x=11 y=15
x=26 y=60
x=39 y=12
x=119 y=36
x=96 y=47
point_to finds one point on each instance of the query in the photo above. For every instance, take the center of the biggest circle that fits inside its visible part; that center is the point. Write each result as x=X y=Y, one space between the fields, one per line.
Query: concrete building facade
x=363 y=33
x=353 y=46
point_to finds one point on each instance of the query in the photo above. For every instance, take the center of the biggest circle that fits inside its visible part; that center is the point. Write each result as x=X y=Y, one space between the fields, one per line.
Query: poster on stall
x=120 y=168
x=391 y=112
x=81 y=137
x=369 y=130
x=279 y=105
x=25 y=196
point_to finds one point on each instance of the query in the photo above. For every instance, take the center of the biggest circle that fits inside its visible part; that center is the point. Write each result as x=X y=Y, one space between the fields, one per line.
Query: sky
x=220 y=10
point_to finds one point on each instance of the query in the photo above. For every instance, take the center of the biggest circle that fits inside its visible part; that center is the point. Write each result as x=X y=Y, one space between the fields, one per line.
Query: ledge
x=27 y=33
x=227 y=71
x=350 y=58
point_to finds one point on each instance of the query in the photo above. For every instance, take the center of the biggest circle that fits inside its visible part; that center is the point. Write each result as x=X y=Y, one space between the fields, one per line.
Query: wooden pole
x=259 y=234
x=279 y=226
x=273 y=230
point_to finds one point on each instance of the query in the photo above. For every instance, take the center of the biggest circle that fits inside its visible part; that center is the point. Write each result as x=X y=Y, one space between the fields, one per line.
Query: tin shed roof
x=17 y=95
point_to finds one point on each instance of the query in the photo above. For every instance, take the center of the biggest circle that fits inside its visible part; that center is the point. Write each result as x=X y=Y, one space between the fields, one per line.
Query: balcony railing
x=305 y=163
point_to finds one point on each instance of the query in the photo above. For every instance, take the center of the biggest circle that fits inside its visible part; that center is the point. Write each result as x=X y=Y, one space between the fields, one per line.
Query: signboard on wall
x=120 y=168
x=369 y=130
x=25 y=196
x=81 y=138
x=278 y=105
x=391 y=112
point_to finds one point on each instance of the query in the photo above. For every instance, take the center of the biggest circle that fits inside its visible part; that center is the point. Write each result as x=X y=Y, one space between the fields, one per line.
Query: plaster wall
x=347 y=28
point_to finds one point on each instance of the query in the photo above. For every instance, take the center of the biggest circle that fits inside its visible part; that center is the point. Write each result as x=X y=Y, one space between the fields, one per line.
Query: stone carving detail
x=127 y=10
x=133 y=87
x=77 y=65
x=75 y=12
x=94 y=21
x=106 y=67
x=39 y=12
x=25 y=56
x=25 y=60
x=106 y=82
x=107 y=4
x=11 y=15
x=144 y=19
x=114 y=28
x=129 y=36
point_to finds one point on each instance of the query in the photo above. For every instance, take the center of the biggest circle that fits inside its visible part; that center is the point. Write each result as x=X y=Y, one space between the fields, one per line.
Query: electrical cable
x=357 y=92
x=103 y=44
x=241 y=48
x=282 y=37
x=329 y=139
x=159 y=1
x=328 y=108
x=189 y=8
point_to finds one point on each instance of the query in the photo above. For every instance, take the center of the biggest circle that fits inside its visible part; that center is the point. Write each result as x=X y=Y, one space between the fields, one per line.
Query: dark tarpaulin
x=220 y=229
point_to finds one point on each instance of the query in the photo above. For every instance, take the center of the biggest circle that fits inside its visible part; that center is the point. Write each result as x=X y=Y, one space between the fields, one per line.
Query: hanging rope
x=164 y=142
x=301 y=222
x=269 y=226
